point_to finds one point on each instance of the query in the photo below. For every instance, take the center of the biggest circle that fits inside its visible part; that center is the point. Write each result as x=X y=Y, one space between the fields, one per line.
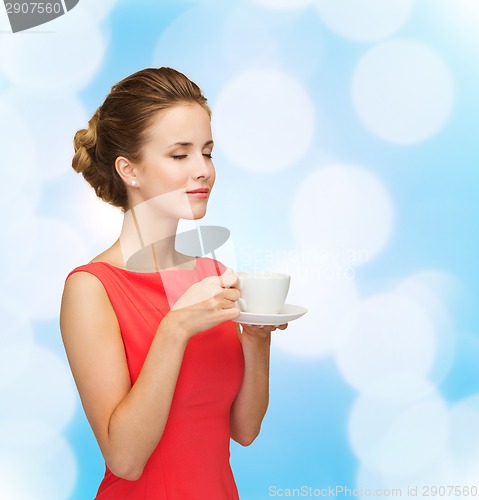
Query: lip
x=199 y=190
x=200 y=193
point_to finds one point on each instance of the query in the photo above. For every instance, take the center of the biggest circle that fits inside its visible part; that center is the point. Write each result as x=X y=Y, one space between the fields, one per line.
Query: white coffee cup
x=263 y=292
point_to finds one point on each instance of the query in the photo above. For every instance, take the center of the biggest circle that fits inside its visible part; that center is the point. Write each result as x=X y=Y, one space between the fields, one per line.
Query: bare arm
x=128 y=421
x=251 y=403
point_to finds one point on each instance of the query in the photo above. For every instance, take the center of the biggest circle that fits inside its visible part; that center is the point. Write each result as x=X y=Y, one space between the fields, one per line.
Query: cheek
x=173 y=181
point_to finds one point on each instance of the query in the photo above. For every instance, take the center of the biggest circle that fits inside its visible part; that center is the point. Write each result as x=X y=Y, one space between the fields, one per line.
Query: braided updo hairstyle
x=118 y=127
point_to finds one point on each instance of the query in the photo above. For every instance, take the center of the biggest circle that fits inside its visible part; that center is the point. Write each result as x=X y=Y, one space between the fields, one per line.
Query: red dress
x=191 y=461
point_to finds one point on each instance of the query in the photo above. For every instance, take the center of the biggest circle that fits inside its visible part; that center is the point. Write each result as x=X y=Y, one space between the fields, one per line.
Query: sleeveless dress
x=191 y=461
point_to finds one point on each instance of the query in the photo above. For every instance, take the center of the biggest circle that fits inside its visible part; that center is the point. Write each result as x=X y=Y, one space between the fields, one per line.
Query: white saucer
x=289 y=312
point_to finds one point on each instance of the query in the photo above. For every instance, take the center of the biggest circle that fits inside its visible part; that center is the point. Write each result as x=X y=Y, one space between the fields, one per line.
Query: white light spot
x=364 y=20
x=57 y=249
x=27 y=445
x=16 y=255
x=257 y=114
x=325 y=288
x=65 y=58
x=53 y=120
x=399 y=388
x=44 y=391
x=412 y=485
x=385 y=334
x=398 y=439
x=430 y=290
x=284 y=4
x=4 y=22
x=344 y=210
x=18 y=151
x=468 y=479
x=175 y=49
x=402 y=91
x=99 y=222
x=463 y=17
x=95 y=9
x=16 y=339
x=463 y=436
x=255 y=47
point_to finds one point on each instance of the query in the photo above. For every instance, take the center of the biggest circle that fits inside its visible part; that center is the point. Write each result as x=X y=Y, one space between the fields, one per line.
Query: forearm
x=137 y=424
x=251 y=403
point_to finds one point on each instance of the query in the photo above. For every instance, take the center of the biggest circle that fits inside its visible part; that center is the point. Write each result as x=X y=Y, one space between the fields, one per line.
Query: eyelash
x=182 y=157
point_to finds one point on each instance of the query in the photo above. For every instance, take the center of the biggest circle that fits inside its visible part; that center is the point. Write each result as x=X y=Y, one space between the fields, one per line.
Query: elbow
x=125 y=469
x=246 y=439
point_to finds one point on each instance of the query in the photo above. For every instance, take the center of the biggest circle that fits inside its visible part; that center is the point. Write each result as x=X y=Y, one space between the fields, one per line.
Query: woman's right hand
x=207 y=303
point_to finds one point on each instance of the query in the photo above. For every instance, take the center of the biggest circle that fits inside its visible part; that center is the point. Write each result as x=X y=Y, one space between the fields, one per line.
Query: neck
x=147 y=239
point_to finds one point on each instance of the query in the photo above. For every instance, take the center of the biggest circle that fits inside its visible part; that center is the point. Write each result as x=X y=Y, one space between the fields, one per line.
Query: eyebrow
x=188 y=144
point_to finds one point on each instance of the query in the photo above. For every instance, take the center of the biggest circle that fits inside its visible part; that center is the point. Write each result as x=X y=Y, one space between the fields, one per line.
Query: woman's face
x=176 y=173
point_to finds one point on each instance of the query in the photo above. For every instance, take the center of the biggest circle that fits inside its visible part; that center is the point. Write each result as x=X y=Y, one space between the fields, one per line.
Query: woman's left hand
x=262 y=331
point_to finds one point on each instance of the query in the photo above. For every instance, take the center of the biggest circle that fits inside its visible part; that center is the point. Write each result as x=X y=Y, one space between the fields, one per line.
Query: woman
x=165 y=377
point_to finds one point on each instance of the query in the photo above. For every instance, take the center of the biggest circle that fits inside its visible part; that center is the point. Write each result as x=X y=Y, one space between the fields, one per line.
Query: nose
x=203 y=168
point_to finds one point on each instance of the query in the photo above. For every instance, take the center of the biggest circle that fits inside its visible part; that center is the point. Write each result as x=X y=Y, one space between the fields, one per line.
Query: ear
x=126 y=170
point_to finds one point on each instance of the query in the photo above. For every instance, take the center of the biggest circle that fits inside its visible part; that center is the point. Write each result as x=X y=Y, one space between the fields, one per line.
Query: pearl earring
x=134 y=183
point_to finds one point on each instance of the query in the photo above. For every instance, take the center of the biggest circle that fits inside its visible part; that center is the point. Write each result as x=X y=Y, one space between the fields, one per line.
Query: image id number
x=33 y=7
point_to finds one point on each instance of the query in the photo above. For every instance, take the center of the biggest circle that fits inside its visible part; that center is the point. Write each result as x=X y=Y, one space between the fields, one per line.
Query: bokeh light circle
x=16 y=339
x=95 y=9
x=18 y=151
x=44 y=391
x=284 y=4
x=463 y=436
x=65 y=58
x=364 y=20
x=322 y=285
x=397 y=439
x=402 y=91
x=53 y=120
x=175 y=49
x=344 y=210
x=432 y=290
x=47 y=270
x=255 y=47
x=19 y=251
x=40 y=463
x=264 y=120
x=385 y=334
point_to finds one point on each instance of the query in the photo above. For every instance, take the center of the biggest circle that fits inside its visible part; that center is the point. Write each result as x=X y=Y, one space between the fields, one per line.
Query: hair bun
x=84 y=144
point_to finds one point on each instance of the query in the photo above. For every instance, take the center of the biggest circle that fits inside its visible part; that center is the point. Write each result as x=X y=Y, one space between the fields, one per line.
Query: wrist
x=172 y=327
x=253 y=338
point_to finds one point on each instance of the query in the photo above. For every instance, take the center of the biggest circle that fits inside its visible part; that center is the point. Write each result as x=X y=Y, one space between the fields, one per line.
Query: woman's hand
x=206 y=289
x=261 y=331
x=207 y=303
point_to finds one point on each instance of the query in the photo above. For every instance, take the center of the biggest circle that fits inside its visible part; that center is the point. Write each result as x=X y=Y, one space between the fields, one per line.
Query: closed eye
x=179 y=157
x=208 y=155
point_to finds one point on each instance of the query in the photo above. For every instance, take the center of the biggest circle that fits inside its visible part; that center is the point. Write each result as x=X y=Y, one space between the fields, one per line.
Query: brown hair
x=118 y=127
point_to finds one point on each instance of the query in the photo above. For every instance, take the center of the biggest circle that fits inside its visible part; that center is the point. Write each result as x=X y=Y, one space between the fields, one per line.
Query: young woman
x=164 y=375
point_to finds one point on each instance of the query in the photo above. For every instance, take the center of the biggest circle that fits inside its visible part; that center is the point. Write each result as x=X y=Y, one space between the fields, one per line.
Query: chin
x=195 y=215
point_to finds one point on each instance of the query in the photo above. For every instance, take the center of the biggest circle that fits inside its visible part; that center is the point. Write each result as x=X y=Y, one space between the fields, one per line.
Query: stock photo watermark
x=341 y=491
x=322 y=263
x=26 y=15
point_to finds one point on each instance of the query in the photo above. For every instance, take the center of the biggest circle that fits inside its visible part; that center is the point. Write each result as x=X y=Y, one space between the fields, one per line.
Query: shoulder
x=84 y=277
x=86 y=311
x=95 y=274
x=85 y=292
